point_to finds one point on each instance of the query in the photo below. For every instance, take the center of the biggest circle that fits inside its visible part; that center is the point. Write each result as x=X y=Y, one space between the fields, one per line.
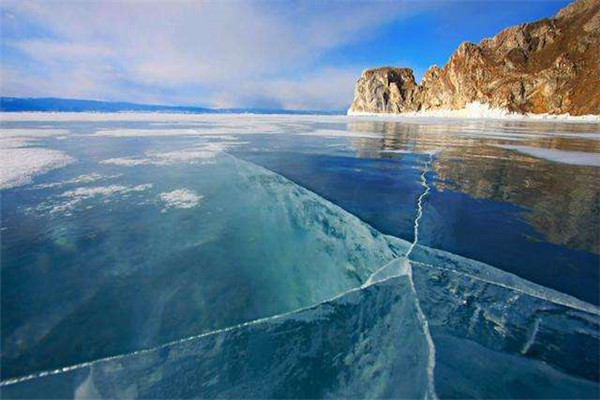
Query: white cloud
x=326 y=88
x=209 y=53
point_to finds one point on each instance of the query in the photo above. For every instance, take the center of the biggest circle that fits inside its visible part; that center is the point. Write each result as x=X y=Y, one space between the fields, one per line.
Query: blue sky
x=284 y=54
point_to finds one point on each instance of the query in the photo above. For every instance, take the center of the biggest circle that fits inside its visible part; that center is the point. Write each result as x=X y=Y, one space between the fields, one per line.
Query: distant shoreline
x=53 y=104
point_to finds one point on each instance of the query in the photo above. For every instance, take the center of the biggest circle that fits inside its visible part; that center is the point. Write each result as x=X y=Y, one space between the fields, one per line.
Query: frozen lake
x=172 y=256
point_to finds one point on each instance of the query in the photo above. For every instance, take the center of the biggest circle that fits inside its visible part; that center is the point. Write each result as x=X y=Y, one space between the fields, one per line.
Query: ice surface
x=561 y=156
x=249 y=285
x=259 y=245
x=462 y=266
x=241 y=120
x=439 y=319
x=531 y=331
x=174 y=132
x=369 y=343
x=365 y=344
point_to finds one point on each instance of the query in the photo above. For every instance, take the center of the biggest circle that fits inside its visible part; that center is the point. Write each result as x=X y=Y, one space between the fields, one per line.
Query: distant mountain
x=548 y=66
x=51 y=104
x=8 y=104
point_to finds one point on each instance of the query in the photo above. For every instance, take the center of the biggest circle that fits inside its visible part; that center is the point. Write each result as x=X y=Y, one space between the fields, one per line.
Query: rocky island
x=547 y=66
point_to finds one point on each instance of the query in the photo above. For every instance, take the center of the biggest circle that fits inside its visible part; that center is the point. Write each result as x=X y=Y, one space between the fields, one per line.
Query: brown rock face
x=547 y=66
x=387 y=89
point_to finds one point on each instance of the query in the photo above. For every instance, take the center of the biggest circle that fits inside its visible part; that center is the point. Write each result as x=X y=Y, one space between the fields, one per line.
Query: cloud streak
x=236 y=54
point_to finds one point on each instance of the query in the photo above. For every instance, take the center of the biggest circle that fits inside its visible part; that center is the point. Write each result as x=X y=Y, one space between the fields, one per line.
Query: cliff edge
x=548 y=66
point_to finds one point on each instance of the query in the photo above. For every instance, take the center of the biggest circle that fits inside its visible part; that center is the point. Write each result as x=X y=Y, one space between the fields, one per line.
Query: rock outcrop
x=548 y=66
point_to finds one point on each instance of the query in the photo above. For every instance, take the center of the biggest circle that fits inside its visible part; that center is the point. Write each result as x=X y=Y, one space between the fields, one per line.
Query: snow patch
x=147 y=132
x=87 y=192
x=201 y=154
x=560 y=156
x=476 y=110
x=181 y=198
x=20 y=165
x=126 y=161
x=14 y=132
x=21 y=160
x=226 y=129
x=20 y=137
x=70 y=199
x=87 y=178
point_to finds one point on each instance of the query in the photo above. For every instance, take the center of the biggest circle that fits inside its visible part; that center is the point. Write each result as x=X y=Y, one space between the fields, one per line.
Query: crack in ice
x=56 y=371
x=430 y=345
x=420 y=204
x=375 y=278
x=406 y=269
x=421 y=316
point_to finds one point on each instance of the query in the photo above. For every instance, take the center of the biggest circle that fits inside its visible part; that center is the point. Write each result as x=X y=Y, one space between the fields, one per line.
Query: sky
x=223 y=54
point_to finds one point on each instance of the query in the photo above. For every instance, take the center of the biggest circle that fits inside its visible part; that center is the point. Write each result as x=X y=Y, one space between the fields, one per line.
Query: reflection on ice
x=480 y=158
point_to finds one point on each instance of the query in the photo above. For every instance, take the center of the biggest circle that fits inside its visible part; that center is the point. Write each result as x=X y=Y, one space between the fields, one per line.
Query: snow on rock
x=476 y=110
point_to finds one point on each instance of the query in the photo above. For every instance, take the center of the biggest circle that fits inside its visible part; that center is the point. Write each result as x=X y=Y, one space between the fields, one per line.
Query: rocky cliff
x=547 y=66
